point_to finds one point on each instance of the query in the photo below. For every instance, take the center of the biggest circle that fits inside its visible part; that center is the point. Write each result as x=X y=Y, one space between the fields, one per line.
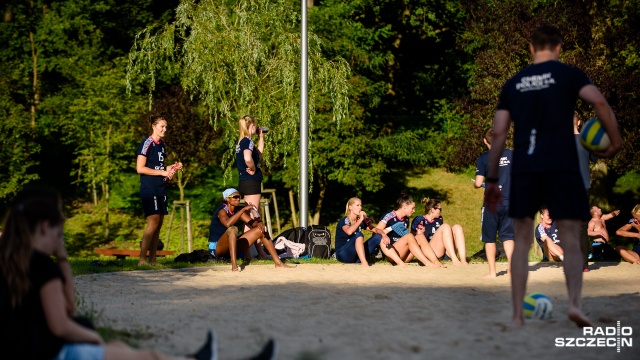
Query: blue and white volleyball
x=537 y=306
x=593 y=136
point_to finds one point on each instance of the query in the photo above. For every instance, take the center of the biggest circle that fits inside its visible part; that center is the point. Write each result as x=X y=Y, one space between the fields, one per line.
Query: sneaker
x=268 y=352
x=208 y=351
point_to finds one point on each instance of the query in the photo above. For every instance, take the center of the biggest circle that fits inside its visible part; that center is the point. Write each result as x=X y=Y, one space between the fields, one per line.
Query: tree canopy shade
x=239 y=58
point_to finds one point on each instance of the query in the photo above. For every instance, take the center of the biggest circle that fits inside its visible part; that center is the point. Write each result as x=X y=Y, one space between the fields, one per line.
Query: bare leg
x=555 y=251
x=427 y=250
x=268 y=244
x=628 y=255
x=490 y=251
x=570 y=230
x=117 y=350
x=414 y=248
x=458 y=238
x=153 y=223
x=360 y=251
x=228 y=244
x=520 y=268
x=392 y=253
x=255 y=201
x=508 y=249
x=153 y=246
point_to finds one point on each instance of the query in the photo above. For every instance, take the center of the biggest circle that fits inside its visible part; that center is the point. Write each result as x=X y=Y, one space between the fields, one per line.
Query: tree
x=17 y=146
x=244 y=59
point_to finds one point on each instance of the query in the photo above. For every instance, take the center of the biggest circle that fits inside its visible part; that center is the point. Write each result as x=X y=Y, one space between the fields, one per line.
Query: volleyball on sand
x=593 y=136
x=537 y=306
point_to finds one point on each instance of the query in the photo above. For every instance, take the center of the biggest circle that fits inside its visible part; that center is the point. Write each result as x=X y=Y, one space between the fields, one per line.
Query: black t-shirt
x=248 y=144
x=24 y=330
x=504 y=172
x=541 y=100
x=155 y=153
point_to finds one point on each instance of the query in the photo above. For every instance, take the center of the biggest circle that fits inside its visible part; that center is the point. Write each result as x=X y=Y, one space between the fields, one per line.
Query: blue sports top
x=550 y=231
x=429 y=227
x=155 y=153
x=216 y=228
x=247 y=144
x=504 y=172
x=341 y=237
x=391 y=219
x=541 y=100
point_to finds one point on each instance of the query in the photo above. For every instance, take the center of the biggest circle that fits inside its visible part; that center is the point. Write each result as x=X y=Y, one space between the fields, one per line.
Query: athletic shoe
x=208 y=351
x=268 y=352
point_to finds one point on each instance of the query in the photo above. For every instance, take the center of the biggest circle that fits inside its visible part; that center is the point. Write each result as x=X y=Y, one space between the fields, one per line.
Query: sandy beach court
x=341 y=311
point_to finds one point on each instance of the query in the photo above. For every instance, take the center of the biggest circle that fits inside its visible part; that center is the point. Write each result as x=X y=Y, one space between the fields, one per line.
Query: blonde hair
x=244 y=123
x=349 y=203
x=635 y=210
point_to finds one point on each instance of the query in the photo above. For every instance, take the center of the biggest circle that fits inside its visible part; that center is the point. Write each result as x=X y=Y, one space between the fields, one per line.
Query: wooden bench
x=121 y=254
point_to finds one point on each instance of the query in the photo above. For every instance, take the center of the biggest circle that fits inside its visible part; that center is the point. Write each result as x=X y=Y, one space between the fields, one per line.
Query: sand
x=338 y=311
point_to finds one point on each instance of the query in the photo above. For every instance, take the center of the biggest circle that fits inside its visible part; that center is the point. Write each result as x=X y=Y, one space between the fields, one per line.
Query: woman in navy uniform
x=443 y=238
x=150 y=164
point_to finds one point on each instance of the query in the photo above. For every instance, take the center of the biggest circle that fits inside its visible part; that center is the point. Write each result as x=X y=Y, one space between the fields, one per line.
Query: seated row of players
x=429 y=239
x=549 y=241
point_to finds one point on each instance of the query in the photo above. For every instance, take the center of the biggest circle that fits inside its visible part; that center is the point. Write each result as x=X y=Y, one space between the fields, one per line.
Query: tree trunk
x=106 y=213
x=322 y=184
x=598 y=193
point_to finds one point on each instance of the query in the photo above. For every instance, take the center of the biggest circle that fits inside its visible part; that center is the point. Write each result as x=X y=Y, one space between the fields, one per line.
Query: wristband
x=490 y=180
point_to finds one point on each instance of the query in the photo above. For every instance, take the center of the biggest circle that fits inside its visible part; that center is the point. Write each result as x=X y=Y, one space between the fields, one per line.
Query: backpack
x=318 y=241
x=195 y=256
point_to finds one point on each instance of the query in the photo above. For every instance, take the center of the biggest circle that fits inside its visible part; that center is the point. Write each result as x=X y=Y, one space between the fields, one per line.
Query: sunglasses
x=235 y=197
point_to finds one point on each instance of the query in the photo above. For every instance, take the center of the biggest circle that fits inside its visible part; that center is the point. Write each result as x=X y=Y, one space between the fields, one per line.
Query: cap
x=228 y=192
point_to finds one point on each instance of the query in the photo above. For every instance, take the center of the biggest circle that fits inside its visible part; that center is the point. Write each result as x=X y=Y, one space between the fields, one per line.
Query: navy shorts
x=249 y=187
x=500 y=223
x=562 y=192
x=152 y=203
x=636 y=248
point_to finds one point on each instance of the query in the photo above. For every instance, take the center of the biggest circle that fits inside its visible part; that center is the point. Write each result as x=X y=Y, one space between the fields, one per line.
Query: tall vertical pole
x=304 y=121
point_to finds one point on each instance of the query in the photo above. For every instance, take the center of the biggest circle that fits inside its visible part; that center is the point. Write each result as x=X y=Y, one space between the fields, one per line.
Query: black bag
x=318 y=241
x=195 y=256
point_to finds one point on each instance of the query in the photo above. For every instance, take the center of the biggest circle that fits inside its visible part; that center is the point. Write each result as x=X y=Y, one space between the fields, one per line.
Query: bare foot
x=637 y=262
x=517 y=322
x=437 y=265
x=143 y=263
x=575 y=315
x=489 y=276
x=365 y=265
x=401 y=264
x=236 y=269
x=283 y=265
x=464 y=263
x=457 y=263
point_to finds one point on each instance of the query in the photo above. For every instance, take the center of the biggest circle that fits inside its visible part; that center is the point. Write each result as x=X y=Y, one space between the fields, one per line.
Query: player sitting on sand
x=633 y=255
x=547 y=237
x=223 y=235
x=440 y=236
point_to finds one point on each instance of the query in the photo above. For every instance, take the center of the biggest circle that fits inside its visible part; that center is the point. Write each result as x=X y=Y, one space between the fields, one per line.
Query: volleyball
x=593 y=136
x=537 y=306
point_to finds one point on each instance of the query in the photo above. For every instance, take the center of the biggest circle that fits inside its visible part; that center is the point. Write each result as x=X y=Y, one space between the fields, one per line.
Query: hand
x=385 y=240
x=363 y=215
x=250 y=171
x=492 y=197
x=615 y=212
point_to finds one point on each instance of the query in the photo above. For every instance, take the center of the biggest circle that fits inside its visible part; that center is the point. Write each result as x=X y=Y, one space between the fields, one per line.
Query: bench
x=121 y=254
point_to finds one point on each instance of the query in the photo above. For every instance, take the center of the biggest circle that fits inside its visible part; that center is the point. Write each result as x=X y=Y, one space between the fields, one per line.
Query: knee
x=457 y=228
x=232 y=231
x=445 y=227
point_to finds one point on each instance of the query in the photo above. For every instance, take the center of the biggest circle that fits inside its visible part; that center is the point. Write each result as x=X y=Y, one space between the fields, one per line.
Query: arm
x=479 y=181
x=610 y=215
x=624 y=232
x=251 y=166
x=58 y=321
x=229 y=221
x=381 y=229
x=593 y=96
x=501 y=122
x=350 y=229
x=591 y=231
x=261 y=143
x=141 y=160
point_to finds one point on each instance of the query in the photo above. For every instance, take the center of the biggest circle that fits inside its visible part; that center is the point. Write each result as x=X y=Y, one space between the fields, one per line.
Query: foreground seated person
x=633 y=255
x=431 y=230
x=597 y=230
x=547 y=237
x=37 y=297
x=223 y=235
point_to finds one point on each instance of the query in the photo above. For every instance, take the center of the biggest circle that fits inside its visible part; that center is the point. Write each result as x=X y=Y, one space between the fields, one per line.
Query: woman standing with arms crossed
x=153 y=176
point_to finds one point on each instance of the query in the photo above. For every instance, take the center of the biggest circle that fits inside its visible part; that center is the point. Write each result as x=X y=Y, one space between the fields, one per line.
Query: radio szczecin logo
x=609 y=336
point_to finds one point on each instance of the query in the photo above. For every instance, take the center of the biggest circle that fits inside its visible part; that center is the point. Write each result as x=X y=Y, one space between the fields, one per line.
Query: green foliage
x=238 y=60
x=17 y=146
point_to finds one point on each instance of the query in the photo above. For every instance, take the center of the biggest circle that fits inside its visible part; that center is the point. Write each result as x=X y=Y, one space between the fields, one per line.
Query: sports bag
x=318 y=241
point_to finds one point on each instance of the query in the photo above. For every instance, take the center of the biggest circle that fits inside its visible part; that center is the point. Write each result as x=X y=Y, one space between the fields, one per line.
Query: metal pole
x=304 y=123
